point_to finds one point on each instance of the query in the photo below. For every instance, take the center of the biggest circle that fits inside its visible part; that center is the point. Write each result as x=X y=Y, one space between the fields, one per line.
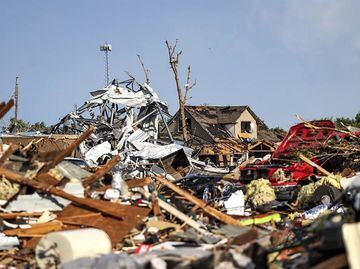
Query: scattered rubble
x=131 y=199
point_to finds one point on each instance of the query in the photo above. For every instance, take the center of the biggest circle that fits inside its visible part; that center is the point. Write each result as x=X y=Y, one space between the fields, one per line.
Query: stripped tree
x=145 y=70
x=174 y=56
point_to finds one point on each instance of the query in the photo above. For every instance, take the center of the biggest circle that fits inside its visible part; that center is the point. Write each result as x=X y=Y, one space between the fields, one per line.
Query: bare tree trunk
x=174 y=61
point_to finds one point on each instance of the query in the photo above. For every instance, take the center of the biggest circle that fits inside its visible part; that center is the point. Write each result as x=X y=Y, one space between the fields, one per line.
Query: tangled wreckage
x=119 y=196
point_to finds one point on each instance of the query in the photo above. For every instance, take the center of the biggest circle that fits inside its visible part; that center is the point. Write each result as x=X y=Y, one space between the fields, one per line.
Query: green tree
x=19 y=126
x=347 y=121
x=278 y=130
x=38 y=126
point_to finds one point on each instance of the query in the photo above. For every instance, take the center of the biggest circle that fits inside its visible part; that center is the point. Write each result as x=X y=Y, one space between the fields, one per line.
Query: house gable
x=219 y=122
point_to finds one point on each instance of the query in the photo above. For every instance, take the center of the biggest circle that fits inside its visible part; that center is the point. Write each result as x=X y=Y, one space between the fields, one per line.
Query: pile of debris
x=134 y=201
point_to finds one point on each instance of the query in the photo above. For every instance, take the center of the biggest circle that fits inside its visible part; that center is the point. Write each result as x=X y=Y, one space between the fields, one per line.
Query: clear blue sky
x=279 y=57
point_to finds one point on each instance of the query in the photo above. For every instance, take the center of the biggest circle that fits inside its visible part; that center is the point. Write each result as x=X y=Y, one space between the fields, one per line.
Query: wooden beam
x=200 y=203
x=134 y=183
x=36 y=229
x=5 y=109
x=7 y=153
x=20 y=215
x=2 y=104
x=100 y=172
x=108 y=208
x=310 y=162
x=66 y=152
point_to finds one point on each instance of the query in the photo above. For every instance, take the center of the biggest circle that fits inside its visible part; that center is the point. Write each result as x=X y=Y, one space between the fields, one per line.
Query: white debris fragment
x=8 y=242
x=235 y=204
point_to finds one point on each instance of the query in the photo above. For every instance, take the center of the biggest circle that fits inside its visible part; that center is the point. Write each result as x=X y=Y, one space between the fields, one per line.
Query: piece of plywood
x=116 y=229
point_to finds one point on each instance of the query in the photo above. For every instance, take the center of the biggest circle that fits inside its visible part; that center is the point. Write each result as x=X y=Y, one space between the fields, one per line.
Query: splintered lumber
x=200 y=203
x=101 y=171
x=36 y=229
x=5 y=109
x=108 y=208
x=178 y=214
x=20 y=215
x=134 y=183
x=310 y=162
x=66 y=152
x=7 y=153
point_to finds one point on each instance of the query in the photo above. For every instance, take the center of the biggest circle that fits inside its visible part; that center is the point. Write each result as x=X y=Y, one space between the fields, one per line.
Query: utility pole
x=106 y=48
x=16 y=94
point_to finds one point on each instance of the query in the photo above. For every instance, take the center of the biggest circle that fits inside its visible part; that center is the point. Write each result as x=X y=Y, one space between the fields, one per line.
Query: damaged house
x=221 y=134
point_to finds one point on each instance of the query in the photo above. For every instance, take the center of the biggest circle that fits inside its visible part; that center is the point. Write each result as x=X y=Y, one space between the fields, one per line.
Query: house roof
x=216 y=114
x=213 y=118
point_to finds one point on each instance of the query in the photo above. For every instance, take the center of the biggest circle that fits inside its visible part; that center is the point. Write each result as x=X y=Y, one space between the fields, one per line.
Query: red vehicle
x=300 y=137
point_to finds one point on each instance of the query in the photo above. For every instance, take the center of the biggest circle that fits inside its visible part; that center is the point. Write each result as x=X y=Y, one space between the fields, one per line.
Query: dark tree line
x=18 y=126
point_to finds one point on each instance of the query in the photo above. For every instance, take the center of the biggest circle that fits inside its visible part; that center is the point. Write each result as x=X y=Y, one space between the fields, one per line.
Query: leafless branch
x=146 y=71
x=174 y=58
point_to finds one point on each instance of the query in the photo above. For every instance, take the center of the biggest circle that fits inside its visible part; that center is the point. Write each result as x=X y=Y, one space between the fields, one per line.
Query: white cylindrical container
x=60 y=247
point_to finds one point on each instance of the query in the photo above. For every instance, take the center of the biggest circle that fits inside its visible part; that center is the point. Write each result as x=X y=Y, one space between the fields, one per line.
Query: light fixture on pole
x=106 y=48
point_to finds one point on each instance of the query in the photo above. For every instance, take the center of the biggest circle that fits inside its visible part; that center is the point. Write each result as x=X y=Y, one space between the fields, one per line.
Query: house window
x=246 y=127
x=188 y=124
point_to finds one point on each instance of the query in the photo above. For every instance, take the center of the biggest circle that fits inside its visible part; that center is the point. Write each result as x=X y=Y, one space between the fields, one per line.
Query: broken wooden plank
x=310 y=162
x=108 y=208
x=20 y=215
x=178 y=214
x=2 y=104
x=5 y=109
x=135 y=183
x=7 y=153
x=100 y=172
x=36 y=229
x=208 y=209
x=66 y=152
